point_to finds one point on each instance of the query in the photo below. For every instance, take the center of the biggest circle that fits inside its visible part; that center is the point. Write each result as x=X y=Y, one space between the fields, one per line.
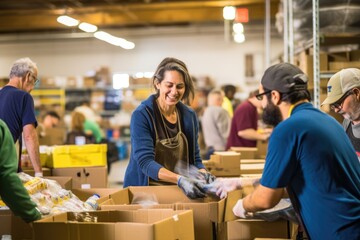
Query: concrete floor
x=117 y=172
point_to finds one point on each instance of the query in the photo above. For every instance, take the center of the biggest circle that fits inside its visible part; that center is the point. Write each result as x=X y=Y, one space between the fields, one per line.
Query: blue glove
x=192 y=188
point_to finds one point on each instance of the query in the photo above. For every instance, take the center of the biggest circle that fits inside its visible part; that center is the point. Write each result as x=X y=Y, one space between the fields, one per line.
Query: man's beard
x=272 y=115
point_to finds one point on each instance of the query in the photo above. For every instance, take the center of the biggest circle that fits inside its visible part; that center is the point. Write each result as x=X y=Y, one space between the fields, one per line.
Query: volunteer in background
x=164 y=133
x=78 y=135
x=229 y=102
x=215 y=123
x=12 y=191
x=310 y=155
x=88 y=112
x=17 y=109
x=343 y=95
x=244 y=124
x=50 y=120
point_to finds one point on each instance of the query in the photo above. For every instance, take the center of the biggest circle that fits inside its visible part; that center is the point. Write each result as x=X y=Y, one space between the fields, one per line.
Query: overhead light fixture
x=238 y=28
x=120 y=80
x=229 y=12
x=121 y=42
x=90 y=28
x=239 y=37
x=68 y=21
x=87 y=27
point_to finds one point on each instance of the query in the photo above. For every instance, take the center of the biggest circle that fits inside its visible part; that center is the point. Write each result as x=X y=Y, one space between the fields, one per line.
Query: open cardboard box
x=145 y=224
x=240 y=229
x=208 y=212
x=21 y=230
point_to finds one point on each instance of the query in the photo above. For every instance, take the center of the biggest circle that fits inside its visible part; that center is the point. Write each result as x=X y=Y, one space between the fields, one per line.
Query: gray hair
x=21 y=67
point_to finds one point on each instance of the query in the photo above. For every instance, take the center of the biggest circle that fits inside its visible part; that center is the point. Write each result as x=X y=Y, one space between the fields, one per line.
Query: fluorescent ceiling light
x=120 y=80
x=87 y=27
x=229 y=12
x=121 y=42
x=68 y=21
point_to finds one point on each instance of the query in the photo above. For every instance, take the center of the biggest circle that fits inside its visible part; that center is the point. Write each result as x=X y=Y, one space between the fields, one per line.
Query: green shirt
x=12 y=191
x=94 y=128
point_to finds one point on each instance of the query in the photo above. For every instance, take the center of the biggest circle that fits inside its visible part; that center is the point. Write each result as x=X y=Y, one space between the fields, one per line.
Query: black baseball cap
x=284 y=78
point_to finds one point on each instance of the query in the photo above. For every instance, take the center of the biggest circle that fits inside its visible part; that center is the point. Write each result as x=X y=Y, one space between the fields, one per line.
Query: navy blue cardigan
x=142 y=162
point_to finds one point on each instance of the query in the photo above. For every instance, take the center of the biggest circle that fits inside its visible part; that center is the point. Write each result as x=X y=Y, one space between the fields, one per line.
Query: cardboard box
x=145 y=224
x=5 y=220
x=337 y=66
x=84 y=177
x=208 y=212
x=65 y=182
x=251 y=168
x=78 y=156
x=89 y=82
x=53 y=136
x=304 y=61
x=245 y=152
x=262 y=149
x=224 y=164
x=22 y=231
x=249 y=229
x=104 y=193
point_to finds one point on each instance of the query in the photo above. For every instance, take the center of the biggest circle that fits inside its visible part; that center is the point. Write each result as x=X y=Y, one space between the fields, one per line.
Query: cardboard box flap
x=108 y=206
x=227 y=153
x=84 y=194
x=65 y=182
x=231 y=200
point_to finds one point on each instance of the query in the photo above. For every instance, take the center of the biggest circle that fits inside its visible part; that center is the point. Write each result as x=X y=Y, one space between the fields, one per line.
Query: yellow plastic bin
x=78 y=156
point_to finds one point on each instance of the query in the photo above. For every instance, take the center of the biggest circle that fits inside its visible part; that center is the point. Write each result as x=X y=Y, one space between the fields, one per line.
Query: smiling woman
x=164 y=134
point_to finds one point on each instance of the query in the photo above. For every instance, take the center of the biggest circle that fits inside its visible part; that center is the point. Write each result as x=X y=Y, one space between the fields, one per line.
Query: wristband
x=178 y=179
x=38 y=174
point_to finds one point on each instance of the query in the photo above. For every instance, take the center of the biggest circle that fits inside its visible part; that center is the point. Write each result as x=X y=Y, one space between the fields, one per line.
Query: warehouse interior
x=76 y=66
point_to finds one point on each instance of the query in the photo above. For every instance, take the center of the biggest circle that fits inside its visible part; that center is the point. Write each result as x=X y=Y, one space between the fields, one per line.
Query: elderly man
x=17 y=109
x=310 y=155
x=343 y=96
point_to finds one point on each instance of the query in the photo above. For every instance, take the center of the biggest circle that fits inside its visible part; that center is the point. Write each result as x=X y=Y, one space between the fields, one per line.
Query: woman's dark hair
x=173 y=64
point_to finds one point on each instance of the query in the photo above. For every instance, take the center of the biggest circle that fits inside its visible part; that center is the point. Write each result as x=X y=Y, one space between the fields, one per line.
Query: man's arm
x=32 y=147
x=252 y=134
x=262 y=198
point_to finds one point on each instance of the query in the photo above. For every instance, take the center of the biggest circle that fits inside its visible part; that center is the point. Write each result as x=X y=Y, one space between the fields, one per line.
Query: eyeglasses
x=36 y=80
x=339 y=103
x=260 y=96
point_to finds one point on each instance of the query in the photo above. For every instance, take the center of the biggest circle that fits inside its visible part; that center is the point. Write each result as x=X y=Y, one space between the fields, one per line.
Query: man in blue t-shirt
x=17 y=108
x=310 y=155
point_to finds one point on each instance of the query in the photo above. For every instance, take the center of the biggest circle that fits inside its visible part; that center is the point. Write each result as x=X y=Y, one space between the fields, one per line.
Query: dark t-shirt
x=245 y=117
x=16 y=110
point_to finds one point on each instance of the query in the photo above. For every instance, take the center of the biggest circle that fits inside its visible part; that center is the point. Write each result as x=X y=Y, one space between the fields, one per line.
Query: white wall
x=205 y=53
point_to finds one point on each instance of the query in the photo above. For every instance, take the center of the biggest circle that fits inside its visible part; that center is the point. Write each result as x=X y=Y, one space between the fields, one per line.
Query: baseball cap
x=340 y=83
x=284 y=77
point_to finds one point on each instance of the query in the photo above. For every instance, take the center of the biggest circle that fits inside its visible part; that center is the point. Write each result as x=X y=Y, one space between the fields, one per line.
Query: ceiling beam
x=130 y=15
